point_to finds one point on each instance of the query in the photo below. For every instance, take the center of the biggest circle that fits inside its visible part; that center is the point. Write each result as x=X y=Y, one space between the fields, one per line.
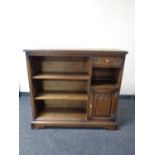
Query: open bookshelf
x=107 y=76
x=57 y=82
x=68 y=87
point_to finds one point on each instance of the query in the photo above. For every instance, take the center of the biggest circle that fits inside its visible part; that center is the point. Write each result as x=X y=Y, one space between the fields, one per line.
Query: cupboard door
x=104 y=105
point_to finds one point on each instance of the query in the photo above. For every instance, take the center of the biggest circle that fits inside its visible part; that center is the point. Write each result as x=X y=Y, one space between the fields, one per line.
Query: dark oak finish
x=62 y=96
x=73 y=114
x=75 y=88
x=62 y=76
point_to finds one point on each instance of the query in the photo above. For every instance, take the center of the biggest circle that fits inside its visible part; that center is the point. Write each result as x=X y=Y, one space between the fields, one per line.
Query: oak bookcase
x=75 y=88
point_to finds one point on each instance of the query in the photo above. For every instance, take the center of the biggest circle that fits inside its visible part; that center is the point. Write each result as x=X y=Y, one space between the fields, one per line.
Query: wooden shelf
x=62 y=114
x=62 y=96
x=62 y=76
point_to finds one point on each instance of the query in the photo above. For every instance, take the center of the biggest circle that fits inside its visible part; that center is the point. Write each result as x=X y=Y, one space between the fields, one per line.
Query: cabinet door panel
x=104 y=105
x=101 y=105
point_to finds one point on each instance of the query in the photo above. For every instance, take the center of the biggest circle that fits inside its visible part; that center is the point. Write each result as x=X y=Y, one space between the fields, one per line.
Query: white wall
x=78 y=24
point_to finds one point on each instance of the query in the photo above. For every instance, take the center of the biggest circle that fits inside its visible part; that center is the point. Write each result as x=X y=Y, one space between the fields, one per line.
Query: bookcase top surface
x=72 y=52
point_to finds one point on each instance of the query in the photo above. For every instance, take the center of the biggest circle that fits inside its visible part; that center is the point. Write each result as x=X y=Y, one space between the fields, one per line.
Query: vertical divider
x=89 y=105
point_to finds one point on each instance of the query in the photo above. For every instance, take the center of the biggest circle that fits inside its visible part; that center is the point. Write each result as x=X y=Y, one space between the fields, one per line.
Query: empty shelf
x=62 y=114
x=62 y=96
x=62 y=76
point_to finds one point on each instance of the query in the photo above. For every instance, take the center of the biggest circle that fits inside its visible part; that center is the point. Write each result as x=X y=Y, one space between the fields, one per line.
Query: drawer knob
x=90 y=106
x=107 y=60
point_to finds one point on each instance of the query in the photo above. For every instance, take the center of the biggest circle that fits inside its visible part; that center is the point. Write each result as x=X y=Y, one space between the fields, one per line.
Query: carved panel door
x=104 y=105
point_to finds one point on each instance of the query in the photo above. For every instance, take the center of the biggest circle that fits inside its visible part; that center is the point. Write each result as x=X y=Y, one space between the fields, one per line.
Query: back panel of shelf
x=50 y=83
x=58 y=64
x=104 y=76
x=42 y=105
x=64 y=74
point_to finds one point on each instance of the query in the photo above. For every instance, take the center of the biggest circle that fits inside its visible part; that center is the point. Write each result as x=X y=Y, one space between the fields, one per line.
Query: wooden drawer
x=107 y=61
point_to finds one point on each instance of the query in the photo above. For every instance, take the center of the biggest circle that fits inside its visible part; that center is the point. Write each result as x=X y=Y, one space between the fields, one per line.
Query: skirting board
x=126 y=96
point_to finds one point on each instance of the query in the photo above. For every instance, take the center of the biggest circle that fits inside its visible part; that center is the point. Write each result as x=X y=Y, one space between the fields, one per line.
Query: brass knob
x=90 y=106
x=107 y=60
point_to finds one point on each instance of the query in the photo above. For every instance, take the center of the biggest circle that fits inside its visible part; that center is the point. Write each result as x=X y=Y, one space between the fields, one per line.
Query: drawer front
x=107 y=61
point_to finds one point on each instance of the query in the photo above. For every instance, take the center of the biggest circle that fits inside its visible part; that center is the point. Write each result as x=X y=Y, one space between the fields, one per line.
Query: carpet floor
x=60 y=141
